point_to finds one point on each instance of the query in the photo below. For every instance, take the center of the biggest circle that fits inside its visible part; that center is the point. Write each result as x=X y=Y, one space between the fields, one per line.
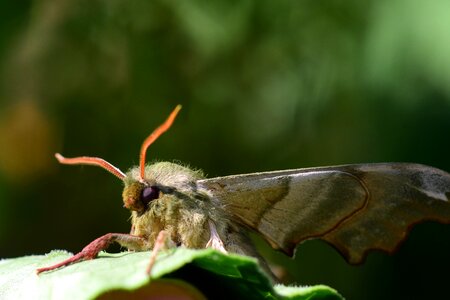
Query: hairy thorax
x=185 y=225
x=179 y=209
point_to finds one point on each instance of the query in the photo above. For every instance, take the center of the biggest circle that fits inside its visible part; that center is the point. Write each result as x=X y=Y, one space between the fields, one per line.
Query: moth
x=355 y=208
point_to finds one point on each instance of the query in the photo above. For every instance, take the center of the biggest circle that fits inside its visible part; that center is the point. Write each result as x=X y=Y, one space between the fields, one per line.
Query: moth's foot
x=91 y=251
x=76 y=258
x=215 y=241
x=160 y=243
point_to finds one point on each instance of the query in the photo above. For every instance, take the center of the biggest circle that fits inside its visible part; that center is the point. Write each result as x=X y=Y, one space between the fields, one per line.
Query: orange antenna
x=95 y=161
x=154 y=135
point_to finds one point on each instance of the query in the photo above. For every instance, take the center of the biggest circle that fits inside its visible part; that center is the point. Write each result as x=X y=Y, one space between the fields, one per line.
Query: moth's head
x=141 y=185
x=136 y=196
x=161 y=179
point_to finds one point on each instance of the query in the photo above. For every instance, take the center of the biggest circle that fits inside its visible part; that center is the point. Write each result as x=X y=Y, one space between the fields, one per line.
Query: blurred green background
x=265 y=85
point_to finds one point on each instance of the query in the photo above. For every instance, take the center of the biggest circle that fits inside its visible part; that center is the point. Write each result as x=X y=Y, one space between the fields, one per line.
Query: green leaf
x=179 y=273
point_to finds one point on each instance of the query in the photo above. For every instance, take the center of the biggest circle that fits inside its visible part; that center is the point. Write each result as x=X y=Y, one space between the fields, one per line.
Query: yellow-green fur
x=180 y=210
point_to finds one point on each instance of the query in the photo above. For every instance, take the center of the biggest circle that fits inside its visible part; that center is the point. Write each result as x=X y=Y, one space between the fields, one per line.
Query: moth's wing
x=355 y=208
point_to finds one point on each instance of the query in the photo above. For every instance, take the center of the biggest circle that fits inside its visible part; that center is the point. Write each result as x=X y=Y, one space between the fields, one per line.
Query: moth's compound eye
x=149 y=193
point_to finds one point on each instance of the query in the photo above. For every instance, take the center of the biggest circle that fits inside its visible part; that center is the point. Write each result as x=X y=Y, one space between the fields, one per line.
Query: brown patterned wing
x=355 y=208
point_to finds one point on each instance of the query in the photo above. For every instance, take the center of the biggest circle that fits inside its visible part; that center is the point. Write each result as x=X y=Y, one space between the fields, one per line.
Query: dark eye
x=149 y=193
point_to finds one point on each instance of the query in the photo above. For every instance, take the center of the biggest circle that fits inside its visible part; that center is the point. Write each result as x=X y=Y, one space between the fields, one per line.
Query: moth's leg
x=91 y=251
x=162 y=241
x=215 y=241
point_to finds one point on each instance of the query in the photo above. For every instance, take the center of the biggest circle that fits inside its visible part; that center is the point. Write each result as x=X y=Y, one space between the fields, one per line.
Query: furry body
x=182 y=210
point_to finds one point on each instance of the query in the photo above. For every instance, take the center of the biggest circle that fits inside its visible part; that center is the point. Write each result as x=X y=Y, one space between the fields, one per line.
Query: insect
x=355 y=208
